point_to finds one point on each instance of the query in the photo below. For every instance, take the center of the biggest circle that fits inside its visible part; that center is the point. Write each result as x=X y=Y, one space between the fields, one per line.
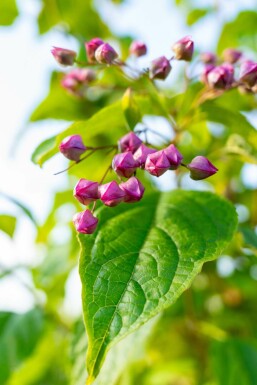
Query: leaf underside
x=142 y=258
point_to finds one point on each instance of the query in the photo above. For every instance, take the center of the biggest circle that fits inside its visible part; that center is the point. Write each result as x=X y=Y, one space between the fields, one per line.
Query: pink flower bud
x=91 y=46
x=124 y=164
x=134 y=190
x=72 y=147
x=105 y=54
x=231 y=55
x=138 y=48
x=248 y=73
x=204 y=76
x=221 y=77
x=129 y=142
x=208 y=58
x=174 y=156
x=86 y=191
x=111 y=194
x=160 y=68
x=141 y=154
x=85 y=222
x=157 y=163
x=183 y=49
x=63 y=56
x=201 y=168
x=77 y=80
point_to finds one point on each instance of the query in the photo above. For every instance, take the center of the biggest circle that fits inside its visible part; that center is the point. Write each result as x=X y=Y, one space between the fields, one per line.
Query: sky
x=24 y=77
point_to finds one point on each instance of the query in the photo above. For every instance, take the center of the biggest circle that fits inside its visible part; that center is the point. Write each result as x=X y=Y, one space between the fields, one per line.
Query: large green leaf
x=142 y=258
x=8 y=12
x=19 y=334
x=239 y=32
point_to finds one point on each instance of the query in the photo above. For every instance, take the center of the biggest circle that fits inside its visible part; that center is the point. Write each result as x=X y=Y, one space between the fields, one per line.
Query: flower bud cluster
x=133 y=154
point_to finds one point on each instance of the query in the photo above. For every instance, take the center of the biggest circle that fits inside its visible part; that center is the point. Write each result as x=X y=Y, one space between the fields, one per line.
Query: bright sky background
x=25 y=66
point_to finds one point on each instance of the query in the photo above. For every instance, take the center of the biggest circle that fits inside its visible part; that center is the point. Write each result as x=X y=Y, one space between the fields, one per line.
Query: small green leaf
x=196 y=14
x=7 y=224
x=250 y=236
x=130 y=109
x=142 y=258
x=8 y=12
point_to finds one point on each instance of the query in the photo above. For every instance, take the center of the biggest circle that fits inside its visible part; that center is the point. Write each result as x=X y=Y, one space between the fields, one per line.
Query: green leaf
x=250 y=236
x=239 y=32
x=196 y=14
x=130 y=109
x=8 y=12
x=7 y=224
x=106 y=126
x=19 y=334
x=142 y=258
x=21 y=206
x=234 y=360
x=59 y=104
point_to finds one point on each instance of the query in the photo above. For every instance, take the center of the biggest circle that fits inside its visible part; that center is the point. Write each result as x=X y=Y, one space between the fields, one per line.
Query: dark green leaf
x=142 y=258
x=250 y=236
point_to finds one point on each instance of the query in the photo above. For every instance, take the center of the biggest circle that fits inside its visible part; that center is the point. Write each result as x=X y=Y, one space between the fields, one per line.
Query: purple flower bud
x=160 y=68
x=201 y=168
x=231 y=55
x=72 y=147
x=174 y=156
x=124 y=164
x=134 y=190
x=105 y=54
x=208 y=58
x=141 y=154
x=184 y=49
x=111 y=194
x=204 y=76
x=157 y=163
x=221 y=77
x=138 y=48
x=77 y=80
x=129 y=142
x=85 y=222
x=63 y=56
x=86 y=191
x=91 y=46
x=248 y=73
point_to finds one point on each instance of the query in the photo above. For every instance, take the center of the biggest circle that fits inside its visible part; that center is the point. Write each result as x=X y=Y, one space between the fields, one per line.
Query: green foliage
x=130 y=109
x=7 y=224
x=196 y=14
x=8 y=12
x=18 y=337
x=137 y=271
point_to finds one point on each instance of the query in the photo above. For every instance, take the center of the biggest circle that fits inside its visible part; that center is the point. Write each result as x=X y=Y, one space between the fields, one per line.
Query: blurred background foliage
x=209 y=337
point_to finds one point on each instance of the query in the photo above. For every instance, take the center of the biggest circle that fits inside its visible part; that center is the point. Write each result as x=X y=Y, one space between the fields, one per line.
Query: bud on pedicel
x=248 y=73
x=85 y=222
x=134 y=190
x=160 y=68
x=141 y=154
x=63 y=56
x=208 y=58
x=129 y=142
x=91 y=46
x=174 y=156
x=137 y=48
x=183 y=49
x=157 y=163
x=111 y=194
x=201 y=168
x=231 y=55
x=204 y=76
x=86 y=191
x=105 y=54
x=221 y=77
x=124 y=164
x=77 y=80
x=72 y=147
